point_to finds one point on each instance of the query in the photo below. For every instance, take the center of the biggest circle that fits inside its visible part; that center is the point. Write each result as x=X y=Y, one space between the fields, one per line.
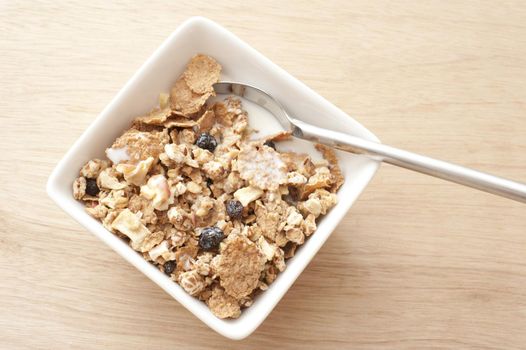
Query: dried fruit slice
x=130 y=225
x=248 y=194
x=157 y=191
x=136 y=173
x=106 y=179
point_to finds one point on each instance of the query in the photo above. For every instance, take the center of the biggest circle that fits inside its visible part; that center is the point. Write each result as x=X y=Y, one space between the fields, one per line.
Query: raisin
x=210 y=238
x=234 y=209
x=206 y=141
x=91 y=187
x=270 y=144
x=169 y=267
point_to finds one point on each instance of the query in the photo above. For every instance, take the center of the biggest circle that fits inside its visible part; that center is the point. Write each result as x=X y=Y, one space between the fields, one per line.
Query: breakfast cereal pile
x=216 y=211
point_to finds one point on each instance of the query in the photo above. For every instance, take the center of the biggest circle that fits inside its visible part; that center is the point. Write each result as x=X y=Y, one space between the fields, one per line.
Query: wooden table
x=417 y=263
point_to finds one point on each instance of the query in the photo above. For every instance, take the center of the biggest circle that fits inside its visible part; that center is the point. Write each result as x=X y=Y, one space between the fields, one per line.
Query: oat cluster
x=188 y=188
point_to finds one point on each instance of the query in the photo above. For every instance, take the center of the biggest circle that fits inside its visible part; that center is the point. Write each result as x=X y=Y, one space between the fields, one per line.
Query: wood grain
x=417 y=263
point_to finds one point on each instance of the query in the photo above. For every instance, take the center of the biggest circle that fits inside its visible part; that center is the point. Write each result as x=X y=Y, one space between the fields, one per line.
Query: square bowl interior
x=240 y=63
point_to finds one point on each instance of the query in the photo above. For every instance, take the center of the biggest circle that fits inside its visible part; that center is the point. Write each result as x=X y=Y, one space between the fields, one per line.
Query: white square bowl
x=240 y=63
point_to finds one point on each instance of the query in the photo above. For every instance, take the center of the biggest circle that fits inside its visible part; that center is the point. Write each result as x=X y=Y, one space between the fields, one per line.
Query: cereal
x=330 y=156
x=193 y=187
x=137 y=203
x=202 y=264
x=201 y=73
x=185 y=101
x=178 y=238
x=155 y=117
x=202 y=206
x=214 y=170
x=192 y=282
x=139 y=145
x=326 y=199
x=239 y=266
x=295 y=235
x=223 y=305
x=311 y=206
x=223 y=114
x=179 y=121
x=289 y=250
x=186 y=136
x=79 y=188
x=321 y=179
x=261 y=167
x=207 y=121
x=308 y=225
x=151 y=241
x=296 y=179
x=93 y=168
x=98 y=211
x=280 y=136
x=185 y=255
x=215 y=211
x=279 y=260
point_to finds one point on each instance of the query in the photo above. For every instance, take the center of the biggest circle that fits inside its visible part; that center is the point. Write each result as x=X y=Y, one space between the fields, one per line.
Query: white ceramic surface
x=241 y=63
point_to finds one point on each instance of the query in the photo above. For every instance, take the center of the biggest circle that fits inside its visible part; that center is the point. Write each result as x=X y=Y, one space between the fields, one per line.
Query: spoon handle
x=434 y=167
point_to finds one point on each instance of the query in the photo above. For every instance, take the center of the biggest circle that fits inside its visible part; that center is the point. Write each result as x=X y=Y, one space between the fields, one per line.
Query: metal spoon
x=434 y=167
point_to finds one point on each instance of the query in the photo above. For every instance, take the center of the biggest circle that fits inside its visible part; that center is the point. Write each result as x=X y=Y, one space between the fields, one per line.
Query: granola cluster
x=188 y=189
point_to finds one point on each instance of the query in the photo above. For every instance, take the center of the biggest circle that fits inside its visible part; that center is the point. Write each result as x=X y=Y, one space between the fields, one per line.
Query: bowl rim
x=227 y=328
